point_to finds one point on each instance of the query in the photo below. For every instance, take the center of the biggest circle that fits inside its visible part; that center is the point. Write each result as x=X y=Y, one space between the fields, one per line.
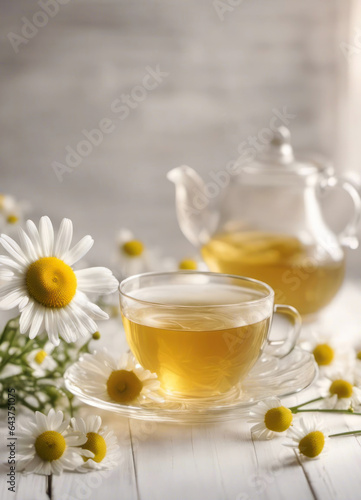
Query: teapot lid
x=278 y=158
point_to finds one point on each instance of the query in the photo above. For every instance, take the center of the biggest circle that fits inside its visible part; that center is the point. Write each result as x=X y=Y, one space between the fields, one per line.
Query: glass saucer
x=270 y=376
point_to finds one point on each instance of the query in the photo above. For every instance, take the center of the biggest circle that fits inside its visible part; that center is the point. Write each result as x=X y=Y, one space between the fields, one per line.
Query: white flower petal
x=95 y=312
x=37 y=322
x=58 y=419
x=98 y=280
x=12 y=299
x=77 y=326
x=24 y=303
x=83 y=318
x=31 y=465
x=78 y=251
x=46 y=233
x=65 y=331
x=57 y=467
x=51 y=326
x=27 y=245
x=76 y=439
x=42 y=421
x=26 y=317
x=7 y=261
x=14 y=250
x=63 y=240
x=34 y=237
x=6 y=274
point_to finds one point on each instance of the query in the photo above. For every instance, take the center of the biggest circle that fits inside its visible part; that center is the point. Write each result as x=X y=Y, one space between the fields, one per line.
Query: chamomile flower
x=11 y=213
x=192 y=264
x=121 y=381
x=132 y=256
x=309 y=437
x=270 y=418
x=40 y=281
x=40 y=360
x=47 y=446
x=100 y=441
x=9 y=209
x=7 y=203
x=330 y=353
x=340 y=391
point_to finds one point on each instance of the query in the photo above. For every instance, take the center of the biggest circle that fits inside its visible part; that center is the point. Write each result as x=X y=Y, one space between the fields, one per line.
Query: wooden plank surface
x=215 y=461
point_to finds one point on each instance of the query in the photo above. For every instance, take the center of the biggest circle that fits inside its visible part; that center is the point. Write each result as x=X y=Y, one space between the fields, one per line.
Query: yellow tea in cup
x=201 y=333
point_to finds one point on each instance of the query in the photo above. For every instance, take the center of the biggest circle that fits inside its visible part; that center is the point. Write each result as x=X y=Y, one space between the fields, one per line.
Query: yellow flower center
x=324 y=354
x=12 y=219
x=96 y=335
x=133 y=248
x=342 y=388
x=188 y=264
x=312 y=444
x=358 y=355
x=278 y=419
x=123 y=386
x=50 y=445
x=2 y=201
x=40 y=356
x=51 y=282
x=96 y=444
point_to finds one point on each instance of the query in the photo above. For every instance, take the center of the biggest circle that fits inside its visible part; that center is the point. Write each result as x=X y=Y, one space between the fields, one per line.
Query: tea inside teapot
x=298 y=273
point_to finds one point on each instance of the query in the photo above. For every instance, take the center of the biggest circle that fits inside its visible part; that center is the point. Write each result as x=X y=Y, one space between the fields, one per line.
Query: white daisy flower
x=331 y=354
x=11 y=213
x=7 y=203
x=270 y=417
x=194 y=263
x=45 y=446
x=40 y=360
x=309 y=437
x=41 y=282
x=121 y=381
x=101 y=442
x=340 y=391
x=132 y=256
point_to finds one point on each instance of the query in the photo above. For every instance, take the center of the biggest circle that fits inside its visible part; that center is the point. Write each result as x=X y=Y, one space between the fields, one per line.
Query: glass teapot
x=263 y=219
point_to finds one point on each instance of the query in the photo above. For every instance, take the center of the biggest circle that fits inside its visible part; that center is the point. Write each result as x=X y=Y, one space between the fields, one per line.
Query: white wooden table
x=215 y=462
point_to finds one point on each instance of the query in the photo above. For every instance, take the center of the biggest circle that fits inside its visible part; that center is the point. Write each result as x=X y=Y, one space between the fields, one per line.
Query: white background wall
x=225 y=77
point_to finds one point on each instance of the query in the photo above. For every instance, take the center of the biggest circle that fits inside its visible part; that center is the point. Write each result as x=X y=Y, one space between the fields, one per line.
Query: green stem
x=295 y=408
x=349 y=433
x=49 y=486
x=345 y=412
x=25 y=403
x=6 y=328
x=71 y=409
x=26 y=349
x=6 y=359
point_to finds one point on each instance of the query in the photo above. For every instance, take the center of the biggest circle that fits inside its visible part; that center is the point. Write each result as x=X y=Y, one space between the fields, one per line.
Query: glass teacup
x=200 y=332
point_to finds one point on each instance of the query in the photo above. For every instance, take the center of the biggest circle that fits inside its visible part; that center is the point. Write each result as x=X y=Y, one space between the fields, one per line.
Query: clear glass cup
x=201 y=332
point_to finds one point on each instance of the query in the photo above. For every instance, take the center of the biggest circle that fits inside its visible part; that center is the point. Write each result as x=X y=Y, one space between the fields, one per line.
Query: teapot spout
x=197 y=218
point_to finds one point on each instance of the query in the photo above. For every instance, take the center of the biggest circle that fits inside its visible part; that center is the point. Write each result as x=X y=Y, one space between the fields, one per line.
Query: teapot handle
x=348 y=236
